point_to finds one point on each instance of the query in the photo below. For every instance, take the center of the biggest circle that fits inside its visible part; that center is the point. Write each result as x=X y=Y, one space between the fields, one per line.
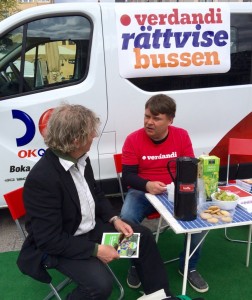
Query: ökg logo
x=30 y=126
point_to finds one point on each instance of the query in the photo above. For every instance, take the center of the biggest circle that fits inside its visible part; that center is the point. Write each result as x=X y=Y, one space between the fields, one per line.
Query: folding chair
x=155 y=215
x=237 y=146
x=14 y=200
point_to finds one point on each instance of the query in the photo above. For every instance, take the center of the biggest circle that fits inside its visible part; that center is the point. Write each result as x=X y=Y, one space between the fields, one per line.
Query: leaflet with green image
x=127 y=247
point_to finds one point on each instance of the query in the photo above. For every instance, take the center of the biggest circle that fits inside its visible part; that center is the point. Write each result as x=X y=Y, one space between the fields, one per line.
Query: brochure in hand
x=127 y=247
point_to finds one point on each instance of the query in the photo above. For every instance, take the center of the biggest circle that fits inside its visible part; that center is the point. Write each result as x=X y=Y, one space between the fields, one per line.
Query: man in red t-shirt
x=146 y=153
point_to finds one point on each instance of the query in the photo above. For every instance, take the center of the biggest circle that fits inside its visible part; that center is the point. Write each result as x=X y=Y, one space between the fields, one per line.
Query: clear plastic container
x=220 y=215
x=201 y=195
x=170 y=191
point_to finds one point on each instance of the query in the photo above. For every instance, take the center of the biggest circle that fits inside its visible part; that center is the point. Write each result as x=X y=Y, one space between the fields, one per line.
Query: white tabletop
x=165 y=208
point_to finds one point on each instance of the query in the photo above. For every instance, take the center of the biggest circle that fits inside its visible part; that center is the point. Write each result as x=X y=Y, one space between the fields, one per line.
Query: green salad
x=224 y=196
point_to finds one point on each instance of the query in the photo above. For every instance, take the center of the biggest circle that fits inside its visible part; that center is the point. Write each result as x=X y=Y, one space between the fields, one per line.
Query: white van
x=74 y=50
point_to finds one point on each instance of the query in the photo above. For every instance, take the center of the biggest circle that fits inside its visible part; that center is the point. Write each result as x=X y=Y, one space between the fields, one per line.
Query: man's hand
x=155 y=187
x=123 y=227
x=107 y=253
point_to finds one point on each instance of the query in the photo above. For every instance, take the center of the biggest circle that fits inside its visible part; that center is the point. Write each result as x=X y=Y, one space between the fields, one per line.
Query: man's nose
x=150 y=121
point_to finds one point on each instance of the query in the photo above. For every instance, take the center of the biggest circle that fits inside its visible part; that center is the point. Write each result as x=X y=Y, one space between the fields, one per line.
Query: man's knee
x=128 y=215
x=129 y=218
x=104 y=287
x=101 y=290
x=145 y=233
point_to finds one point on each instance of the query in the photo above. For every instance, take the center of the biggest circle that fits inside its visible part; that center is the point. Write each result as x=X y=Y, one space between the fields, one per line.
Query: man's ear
x=76 y=143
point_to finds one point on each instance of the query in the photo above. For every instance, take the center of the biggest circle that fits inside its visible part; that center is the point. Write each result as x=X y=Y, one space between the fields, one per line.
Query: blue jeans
x=136 y=207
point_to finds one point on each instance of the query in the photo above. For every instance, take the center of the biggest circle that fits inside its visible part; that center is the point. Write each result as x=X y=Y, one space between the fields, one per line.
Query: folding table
x=165 y=208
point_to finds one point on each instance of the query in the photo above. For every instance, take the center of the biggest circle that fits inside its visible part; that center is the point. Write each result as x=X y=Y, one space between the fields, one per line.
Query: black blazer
x=53 y=216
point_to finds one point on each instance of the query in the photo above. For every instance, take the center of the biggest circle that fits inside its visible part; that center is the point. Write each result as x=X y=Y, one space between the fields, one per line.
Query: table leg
x=188 y=246
x=188 y=256
x=249 y=244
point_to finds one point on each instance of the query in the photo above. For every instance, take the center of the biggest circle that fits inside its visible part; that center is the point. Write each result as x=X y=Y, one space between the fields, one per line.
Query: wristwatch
x=113 y=219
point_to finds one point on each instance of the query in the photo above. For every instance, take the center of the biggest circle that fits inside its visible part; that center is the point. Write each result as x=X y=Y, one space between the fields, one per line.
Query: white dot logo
x=144 y=158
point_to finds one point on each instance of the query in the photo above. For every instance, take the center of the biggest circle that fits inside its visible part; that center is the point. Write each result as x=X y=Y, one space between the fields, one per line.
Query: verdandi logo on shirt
x=160 y=156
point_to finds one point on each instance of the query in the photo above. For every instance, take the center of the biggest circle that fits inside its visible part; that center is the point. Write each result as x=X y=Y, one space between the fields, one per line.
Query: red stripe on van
x=241 y=130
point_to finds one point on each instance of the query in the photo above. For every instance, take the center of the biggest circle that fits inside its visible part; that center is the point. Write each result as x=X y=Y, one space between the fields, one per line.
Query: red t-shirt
x=151 y=158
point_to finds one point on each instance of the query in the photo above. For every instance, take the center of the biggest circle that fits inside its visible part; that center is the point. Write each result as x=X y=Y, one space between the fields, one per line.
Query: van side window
x=45 y=53
x=240 y=72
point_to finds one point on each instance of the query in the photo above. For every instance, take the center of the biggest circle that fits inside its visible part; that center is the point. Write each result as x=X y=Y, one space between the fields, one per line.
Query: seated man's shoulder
x=177 y=130
x=137 y=133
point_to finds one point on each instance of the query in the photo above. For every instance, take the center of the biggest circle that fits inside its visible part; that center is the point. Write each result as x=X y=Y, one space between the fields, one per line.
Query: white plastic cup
x=201 y=197
x=170 y=191
x=171 y=196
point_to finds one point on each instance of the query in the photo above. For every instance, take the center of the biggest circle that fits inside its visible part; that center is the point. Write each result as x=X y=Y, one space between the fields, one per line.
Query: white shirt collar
x=67 y=164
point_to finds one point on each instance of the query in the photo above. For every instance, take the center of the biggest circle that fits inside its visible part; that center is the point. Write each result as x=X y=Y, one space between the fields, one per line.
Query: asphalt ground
x=10 y=239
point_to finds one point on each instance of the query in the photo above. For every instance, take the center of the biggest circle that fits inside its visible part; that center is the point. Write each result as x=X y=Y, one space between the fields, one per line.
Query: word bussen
x=173 y=60
x=169 y=39
x=197 y=46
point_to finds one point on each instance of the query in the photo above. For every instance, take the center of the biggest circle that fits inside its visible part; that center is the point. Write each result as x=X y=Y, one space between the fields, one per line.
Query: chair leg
x=157 y=237
x=248 y=247
x=248 y=242
x=118 y=283
x=56 y=289
x=53 y=293
x=158 y=229
x=65 y=282
x=171 y=260
x=233 y=240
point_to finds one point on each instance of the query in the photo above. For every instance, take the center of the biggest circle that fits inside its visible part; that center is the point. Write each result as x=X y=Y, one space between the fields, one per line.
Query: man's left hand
x=123 y=227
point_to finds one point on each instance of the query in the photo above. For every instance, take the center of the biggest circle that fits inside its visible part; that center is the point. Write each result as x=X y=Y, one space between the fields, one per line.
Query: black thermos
x=185 y=195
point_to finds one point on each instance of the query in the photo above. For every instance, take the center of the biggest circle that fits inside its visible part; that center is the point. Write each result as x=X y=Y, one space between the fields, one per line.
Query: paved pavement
x=10 y=239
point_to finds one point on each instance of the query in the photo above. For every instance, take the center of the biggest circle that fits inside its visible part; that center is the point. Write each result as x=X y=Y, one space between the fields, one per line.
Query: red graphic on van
x=43 y=121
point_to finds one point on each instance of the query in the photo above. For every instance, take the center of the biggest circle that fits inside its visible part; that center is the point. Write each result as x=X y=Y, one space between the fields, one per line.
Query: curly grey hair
x=67 y=123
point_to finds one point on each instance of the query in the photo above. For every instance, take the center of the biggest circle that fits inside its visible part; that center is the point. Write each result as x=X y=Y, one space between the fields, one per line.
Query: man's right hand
x=156 y=187
x=107 y=253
